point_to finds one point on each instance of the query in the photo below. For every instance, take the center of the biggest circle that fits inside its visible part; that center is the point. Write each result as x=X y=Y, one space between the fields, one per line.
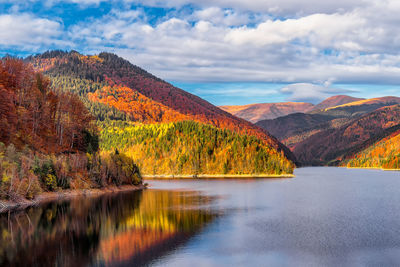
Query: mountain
x=268 y=111
x=331 y=145
x=263 y=111
x=386 y=101
x=381 y=152
x=336 y=101
x=113 y=89
x=295 y=128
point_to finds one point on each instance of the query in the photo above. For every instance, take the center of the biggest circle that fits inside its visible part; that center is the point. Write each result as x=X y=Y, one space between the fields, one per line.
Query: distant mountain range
x=332 y=134
x=120 y=94
x=265 y=111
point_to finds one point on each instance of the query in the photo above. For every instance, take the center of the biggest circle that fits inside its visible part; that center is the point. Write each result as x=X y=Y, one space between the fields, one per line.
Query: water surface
x=323 y=217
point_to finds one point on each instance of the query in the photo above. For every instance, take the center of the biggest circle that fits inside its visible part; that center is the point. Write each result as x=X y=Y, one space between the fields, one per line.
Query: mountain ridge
x=269 y=111
x=119 y=86
x=335 y=101
x=262 y=111
x=165 y=94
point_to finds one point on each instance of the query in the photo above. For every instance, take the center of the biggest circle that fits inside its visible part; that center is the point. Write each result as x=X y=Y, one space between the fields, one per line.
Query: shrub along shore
x=30 y=178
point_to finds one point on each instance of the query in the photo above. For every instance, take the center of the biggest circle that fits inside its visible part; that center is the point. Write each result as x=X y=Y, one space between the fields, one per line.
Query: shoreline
x=217 y=176
x=45 y=197
x=371 y=168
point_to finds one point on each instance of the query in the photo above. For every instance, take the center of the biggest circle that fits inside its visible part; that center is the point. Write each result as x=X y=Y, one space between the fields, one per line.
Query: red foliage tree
x=32 y=114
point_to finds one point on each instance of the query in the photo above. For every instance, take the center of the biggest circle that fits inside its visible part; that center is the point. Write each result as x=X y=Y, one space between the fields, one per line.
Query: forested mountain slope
x=383 y=153
x=192 y=148
x=292 y=124
x=295 y=128
x=333 y=144
x=115 y=90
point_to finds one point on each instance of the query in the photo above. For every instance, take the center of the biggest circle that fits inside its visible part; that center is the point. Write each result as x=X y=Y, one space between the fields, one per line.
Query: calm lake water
x=323 y=217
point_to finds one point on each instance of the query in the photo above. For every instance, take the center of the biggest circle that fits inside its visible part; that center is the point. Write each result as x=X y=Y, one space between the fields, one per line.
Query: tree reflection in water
x=124 y=229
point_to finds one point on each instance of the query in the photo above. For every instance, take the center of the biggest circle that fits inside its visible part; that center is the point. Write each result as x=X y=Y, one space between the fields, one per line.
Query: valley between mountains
x=340 y=131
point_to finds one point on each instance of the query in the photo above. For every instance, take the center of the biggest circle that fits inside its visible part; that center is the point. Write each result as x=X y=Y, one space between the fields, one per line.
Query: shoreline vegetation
x=46 y=197
x=49 y=145
x=217 y=176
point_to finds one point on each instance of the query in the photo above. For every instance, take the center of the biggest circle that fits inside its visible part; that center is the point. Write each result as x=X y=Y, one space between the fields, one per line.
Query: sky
x=228 y=52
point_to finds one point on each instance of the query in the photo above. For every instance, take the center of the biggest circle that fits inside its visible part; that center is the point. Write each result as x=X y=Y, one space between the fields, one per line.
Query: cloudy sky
x=228 y=52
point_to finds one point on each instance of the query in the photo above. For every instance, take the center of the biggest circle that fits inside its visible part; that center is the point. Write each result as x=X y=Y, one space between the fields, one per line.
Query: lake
x=322 y=217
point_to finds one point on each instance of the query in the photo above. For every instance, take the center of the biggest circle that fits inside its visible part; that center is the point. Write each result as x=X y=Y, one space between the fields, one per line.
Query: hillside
x=383 y=153
x=137 y=106
x=264 y=111
x=386 y=100
x=332 y=145
x=295 y=128
x=334 y=101
x=110 y=70
x=115 y=90
x=293 y=124
x=187 y=147
x=49 y=140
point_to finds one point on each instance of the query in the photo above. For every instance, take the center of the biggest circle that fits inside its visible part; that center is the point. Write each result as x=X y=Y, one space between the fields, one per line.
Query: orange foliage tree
x=137 y=106
x=32 y=114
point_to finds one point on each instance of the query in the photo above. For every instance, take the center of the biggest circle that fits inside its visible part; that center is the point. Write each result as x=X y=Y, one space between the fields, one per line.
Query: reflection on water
x=124 y=229
x=323 y=217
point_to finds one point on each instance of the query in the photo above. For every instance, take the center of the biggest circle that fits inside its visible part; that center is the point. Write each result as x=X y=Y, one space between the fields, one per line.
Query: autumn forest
x=71 y=121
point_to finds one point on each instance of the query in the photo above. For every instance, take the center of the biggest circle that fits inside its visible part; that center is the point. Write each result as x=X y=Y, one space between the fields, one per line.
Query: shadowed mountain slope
x=333 y=144
x=380 y=152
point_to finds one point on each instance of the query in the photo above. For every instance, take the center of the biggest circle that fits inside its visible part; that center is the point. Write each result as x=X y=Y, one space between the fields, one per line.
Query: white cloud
x=212 y=44
x=262 y=40
x=320 y=30
x=279 y=7
x=28 y=31
x=226 y=17
x=306 y=92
